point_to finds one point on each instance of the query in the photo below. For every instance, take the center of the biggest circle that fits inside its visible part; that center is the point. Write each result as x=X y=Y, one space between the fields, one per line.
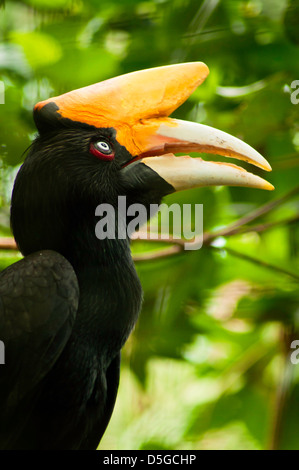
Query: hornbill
x=68 y=306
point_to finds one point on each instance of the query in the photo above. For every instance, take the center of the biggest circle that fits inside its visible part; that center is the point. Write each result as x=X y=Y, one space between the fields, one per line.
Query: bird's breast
x=109 y=305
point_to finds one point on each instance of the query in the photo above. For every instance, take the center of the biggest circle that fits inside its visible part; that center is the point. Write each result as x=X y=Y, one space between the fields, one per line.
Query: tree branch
x=8 y=243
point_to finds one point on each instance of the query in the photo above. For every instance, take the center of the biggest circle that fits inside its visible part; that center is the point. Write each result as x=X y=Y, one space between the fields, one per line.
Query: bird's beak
x=184 y=172
x=137 y=105
x=159 y=138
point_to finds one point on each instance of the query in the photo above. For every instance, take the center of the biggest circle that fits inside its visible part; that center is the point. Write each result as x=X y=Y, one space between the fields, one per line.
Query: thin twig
x=159 y=254
x=179 y=244
x=257 y=261
x=289 y=163
x=208 y=237
x=254 y=228
x=234 y=228
x=265 y=209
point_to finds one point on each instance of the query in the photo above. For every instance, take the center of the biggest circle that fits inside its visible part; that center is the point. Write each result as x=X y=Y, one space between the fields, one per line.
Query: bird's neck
x=110 y=290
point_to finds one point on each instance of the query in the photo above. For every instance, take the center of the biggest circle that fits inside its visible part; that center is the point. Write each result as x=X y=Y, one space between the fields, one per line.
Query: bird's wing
x=38 y=303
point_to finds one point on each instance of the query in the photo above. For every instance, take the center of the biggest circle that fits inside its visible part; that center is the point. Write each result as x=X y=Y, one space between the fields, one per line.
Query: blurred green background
x=208 y=365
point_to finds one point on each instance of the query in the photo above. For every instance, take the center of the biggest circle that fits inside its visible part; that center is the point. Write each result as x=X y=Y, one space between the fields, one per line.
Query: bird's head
x=116 y=138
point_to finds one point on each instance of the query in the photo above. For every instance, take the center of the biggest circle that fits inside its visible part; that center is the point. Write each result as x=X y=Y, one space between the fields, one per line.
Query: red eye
x=102 y=149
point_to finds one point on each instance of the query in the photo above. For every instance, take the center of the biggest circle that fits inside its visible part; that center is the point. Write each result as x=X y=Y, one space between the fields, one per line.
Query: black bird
x=68 y=307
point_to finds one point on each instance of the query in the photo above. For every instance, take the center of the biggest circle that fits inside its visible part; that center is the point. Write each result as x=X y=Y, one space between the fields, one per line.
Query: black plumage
x=61 y=394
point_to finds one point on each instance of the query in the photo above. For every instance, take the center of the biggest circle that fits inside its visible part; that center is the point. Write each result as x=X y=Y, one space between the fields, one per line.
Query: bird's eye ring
x=102 y=150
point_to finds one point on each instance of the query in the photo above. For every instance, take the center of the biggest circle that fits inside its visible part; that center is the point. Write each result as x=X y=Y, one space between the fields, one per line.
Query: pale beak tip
x=267 y=166
x=268 y=186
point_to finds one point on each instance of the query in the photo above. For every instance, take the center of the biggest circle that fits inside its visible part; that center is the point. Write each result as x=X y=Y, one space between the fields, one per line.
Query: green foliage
x=208 y=365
